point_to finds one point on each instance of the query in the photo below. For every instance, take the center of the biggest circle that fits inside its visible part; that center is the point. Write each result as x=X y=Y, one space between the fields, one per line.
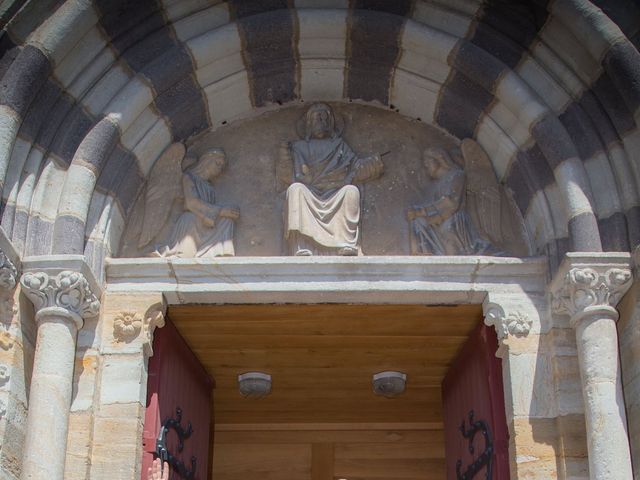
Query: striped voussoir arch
x=93 y=91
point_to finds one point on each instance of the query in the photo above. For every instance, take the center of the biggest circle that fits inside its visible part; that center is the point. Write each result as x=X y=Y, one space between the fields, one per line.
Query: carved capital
x=590 y=290
x=67 y=292
x=153 y=318
x=8 y=272
x=506 y=323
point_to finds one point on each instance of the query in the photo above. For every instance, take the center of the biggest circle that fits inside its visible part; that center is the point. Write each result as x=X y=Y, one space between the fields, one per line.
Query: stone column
x=587 y=287
x=61 y=302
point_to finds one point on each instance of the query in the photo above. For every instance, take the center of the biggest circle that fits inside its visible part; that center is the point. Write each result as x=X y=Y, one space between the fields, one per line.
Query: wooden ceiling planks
x=322 y=358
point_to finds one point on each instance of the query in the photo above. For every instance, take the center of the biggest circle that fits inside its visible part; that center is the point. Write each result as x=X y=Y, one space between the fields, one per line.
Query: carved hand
x=157 y=472
x=230 y=212
x=208 y=222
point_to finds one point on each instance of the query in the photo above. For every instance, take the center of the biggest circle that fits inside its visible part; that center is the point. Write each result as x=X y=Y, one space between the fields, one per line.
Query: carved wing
x=483 y=191
x=163 y=187
x=284 y=167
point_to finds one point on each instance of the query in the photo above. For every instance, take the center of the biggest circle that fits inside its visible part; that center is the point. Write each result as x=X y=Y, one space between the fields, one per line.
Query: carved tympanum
x=461 y=213
x=204 y=229
x=322 y=215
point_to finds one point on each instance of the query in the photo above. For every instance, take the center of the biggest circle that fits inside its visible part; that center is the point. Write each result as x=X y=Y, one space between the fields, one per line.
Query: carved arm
x=206 y=212
x=444 y=207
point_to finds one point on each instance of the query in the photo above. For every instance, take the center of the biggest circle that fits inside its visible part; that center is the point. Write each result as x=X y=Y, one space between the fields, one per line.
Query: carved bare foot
x=304 y=252
x=348 y=251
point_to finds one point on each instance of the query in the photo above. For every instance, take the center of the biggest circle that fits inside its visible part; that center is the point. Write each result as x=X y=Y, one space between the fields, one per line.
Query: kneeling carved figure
x=442 y=225
x=204 y=229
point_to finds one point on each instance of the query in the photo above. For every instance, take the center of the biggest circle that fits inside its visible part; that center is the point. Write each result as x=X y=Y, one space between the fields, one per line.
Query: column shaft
x=609 y=454
x=50 y=398
x=61 y=303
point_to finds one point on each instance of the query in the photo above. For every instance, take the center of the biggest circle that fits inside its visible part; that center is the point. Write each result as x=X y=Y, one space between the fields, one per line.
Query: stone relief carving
x=513 y=323
x=461 y=212
x=322 y=208
x=68 y=290
x=126 y=326
x=6 y=341
x=204 y=229
x=8 y=272
x=587 y=289
x=4 y=375
x=153 y=318
x=332 y=207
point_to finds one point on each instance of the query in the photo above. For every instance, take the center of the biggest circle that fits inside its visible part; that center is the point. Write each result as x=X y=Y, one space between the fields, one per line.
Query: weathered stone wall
x=107 y=413
x=17 y=343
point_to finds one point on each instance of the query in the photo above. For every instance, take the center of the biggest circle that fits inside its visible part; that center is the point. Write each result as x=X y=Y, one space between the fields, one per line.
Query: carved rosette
x=8 y=272
x=512 y=323
x=126 y=326
x=591 y=291
x=68 y=291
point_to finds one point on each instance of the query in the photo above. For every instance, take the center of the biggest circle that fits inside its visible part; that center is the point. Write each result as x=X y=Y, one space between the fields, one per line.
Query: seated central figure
x=322 y=212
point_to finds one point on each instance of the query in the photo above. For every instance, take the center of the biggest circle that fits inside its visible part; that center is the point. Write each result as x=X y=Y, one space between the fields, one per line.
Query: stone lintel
x=391 y=279
x=590 y=284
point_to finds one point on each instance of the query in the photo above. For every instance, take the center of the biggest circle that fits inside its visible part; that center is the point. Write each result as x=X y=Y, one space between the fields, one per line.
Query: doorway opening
x=322 y=419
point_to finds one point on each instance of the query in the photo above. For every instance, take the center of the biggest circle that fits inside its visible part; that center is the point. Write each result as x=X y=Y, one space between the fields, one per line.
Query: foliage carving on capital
x=153 y=318
x=67 y=290
x=586 y=289
x=8 y=272
x=513 y=323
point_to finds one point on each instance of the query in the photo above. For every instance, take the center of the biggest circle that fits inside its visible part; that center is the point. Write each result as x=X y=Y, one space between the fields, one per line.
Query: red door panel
x=178 y=388
x=472 y=396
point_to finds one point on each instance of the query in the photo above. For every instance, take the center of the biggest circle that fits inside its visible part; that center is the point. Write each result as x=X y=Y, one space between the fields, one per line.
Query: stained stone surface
x=255 y=180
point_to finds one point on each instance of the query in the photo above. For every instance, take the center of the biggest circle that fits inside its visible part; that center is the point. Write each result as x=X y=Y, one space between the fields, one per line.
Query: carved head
x=437 y=161
x=210 y=164
x=320 y=122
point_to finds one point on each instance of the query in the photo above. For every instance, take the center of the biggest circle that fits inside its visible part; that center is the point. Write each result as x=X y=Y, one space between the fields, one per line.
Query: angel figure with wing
x=204 y=229
x=443 y=224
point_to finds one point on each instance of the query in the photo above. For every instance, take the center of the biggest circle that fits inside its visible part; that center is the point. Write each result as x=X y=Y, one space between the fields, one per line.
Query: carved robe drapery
x=455 y=234
x=323 y=210
x=190 y=236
